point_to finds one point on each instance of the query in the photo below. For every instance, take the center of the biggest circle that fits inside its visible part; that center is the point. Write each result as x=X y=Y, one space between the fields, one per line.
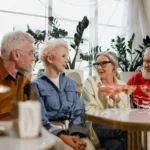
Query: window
x=17 y=14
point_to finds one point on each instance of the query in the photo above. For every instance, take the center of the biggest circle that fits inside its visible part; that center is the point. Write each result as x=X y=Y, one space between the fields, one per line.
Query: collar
x=4 y=73
x=42 y=74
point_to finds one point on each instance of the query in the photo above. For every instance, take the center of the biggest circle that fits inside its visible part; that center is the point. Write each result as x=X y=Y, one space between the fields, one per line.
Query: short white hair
x=14 y=40
x=145 y=74
x=48 y=49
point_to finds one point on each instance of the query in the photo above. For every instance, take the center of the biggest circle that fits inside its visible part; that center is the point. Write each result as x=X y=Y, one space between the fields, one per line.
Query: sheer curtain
x=136 y=21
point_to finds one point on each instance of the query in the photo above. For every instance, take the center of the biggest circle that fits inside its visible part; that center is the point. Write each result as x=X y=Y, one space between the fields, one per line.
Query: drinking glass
x=117 y=89
x=106 y=90
x=146 y=89
x=129 y=89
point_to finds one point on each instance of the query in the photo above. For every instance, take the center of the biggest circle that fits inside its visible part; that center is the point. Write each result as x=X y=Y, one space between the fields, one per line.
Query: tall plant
x=92 y=54
x=122 y=49
x=57 y=32
x=129 y=59
x=82 y=25
x=39 y=36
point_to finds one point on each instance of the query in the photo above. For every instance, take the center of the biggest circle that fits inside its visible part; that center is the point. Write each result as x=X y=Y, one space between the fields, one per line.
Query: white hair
x=145 y=74
x=48 y=49
x=147 y=50
x=14 y=40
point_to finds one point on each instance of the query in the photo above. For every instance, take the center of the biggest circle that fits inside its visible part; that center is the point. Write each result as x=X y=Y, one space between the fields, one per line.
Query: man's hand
x=73 y=141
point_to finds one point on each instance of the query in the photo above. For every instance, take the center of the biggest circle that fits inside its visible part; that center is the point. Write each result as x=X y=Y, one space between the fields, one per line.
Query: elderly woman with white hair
x=106 y=73
x=59 y=98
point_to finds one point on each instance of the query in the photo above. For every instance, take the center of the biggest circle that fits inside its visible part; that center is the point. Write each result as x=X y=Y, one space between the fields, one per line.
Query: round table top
x=129 y=119
x=11 y=141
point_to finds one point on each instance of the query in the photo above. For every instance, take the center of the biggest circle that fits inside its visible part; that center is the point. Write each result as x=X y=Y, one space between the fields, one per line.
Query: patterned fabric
x=138 y=97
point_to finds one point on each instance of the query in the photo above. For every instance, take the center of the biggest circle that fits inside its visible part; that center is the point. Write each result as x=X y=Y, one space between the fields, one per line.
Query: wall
x=147 y=10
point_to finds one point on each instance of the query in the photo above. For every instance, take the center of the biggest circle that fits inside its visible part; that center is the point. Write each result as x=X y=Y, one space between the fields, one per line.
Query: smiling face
x=107 y=70
x=146 y=65
x=60 y=59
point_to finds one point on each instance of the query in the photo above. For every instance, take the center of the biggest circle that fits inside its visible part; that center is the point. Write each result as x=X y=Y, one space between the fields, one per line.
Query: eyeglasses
x=31 y=53
x=102 y=64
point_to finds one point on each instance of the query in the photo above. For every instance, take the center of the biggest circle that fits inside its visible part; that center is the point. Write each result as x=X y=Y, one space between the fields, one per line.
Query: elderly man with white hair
x=139 y=97
x=17 y=55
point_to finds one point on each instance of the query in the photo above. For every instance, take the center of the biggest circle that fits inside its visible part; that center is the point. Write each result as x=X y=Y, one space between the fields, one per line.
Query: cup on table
x=28 y=123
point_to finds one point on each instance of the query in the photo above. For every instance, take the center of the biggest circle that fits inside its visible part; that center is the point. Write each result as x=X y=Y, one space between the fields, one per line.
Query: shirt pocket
x=71 y=92
x=51 y=100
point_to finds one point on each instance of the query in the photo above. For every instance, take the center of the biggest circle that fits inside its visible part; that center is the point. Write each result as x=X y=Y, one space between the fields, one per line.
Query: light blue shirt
x=60 y=102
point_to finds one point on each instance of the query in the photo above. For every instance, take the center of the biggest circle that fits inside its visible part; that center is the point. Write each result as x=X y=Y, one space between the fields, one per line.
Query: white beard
x=145 y=74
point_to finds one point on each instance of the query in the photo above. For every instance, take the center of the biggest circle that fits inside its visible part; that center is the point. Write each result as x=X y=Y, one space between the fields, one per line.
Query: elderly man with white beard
x=141 y=78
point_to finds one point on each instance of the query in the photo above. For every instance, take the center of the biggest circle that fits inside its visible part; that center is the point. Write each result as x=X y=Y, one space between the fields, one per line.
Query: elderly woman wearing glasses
x=106 y=73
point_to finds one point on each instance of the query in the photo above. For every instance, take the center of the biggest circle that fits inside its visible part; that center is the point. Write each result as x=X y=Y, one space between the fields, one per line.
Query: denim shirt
x=60 y=102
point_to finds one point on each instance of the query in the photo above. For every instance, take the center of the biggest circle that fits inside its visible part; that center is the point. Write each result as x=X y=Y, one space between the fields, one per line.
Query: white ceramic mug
x=29 y=119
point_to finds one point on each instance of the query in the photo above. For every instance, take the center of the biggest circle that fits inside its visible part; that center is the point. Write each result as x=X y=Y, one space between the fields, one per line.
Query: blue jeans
x=111 y=139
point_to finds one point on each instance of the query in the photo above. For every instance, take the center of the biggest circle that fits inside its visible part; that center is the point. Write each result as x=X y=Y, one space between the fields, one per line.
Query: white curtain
x=136 y=21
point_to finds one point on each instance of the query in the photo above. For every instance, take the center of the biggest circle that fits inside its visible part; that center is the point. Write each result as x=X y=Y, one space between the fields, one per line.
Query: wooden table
x=135 y=121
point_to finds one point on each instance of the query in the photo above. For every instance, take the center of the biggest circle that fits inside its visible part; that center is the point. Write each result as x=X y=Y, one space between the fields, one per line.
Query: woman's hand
x=79 y=142
x=115 y=98
x=73 y=141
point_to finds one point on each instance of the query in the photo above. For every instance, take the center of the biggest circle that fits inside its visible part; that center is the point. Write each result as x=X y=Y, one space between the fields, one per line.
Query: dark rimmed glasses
x=102 y=64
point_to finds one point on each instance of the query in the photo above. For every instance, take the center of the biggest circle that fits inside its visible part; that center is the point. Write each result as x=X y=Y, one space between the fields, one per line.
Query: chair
x=77 y=77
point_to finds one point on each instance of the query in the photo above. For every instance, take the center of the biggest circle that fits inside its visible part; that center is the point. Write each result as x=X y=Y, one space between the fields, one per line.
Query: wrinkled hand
x=73 y=141
x=79 y=142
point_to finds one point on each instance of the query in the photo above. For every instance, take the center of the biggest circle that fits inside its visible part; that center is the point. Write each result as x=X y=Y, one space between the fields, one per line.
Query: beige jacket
x=94 y=100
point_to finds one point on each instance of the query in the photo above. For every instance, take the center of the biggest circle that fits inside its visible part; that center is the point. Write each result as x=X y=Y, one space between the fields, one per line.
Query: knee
x=89 y=145
x=114 y=144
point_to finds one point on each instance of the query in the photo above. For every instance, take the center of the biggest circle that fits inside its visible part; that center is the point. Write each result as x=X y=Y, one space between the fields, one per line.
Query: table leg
x=139 y=140
x=134 y=140
x=145 y=140
x=129 y=140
